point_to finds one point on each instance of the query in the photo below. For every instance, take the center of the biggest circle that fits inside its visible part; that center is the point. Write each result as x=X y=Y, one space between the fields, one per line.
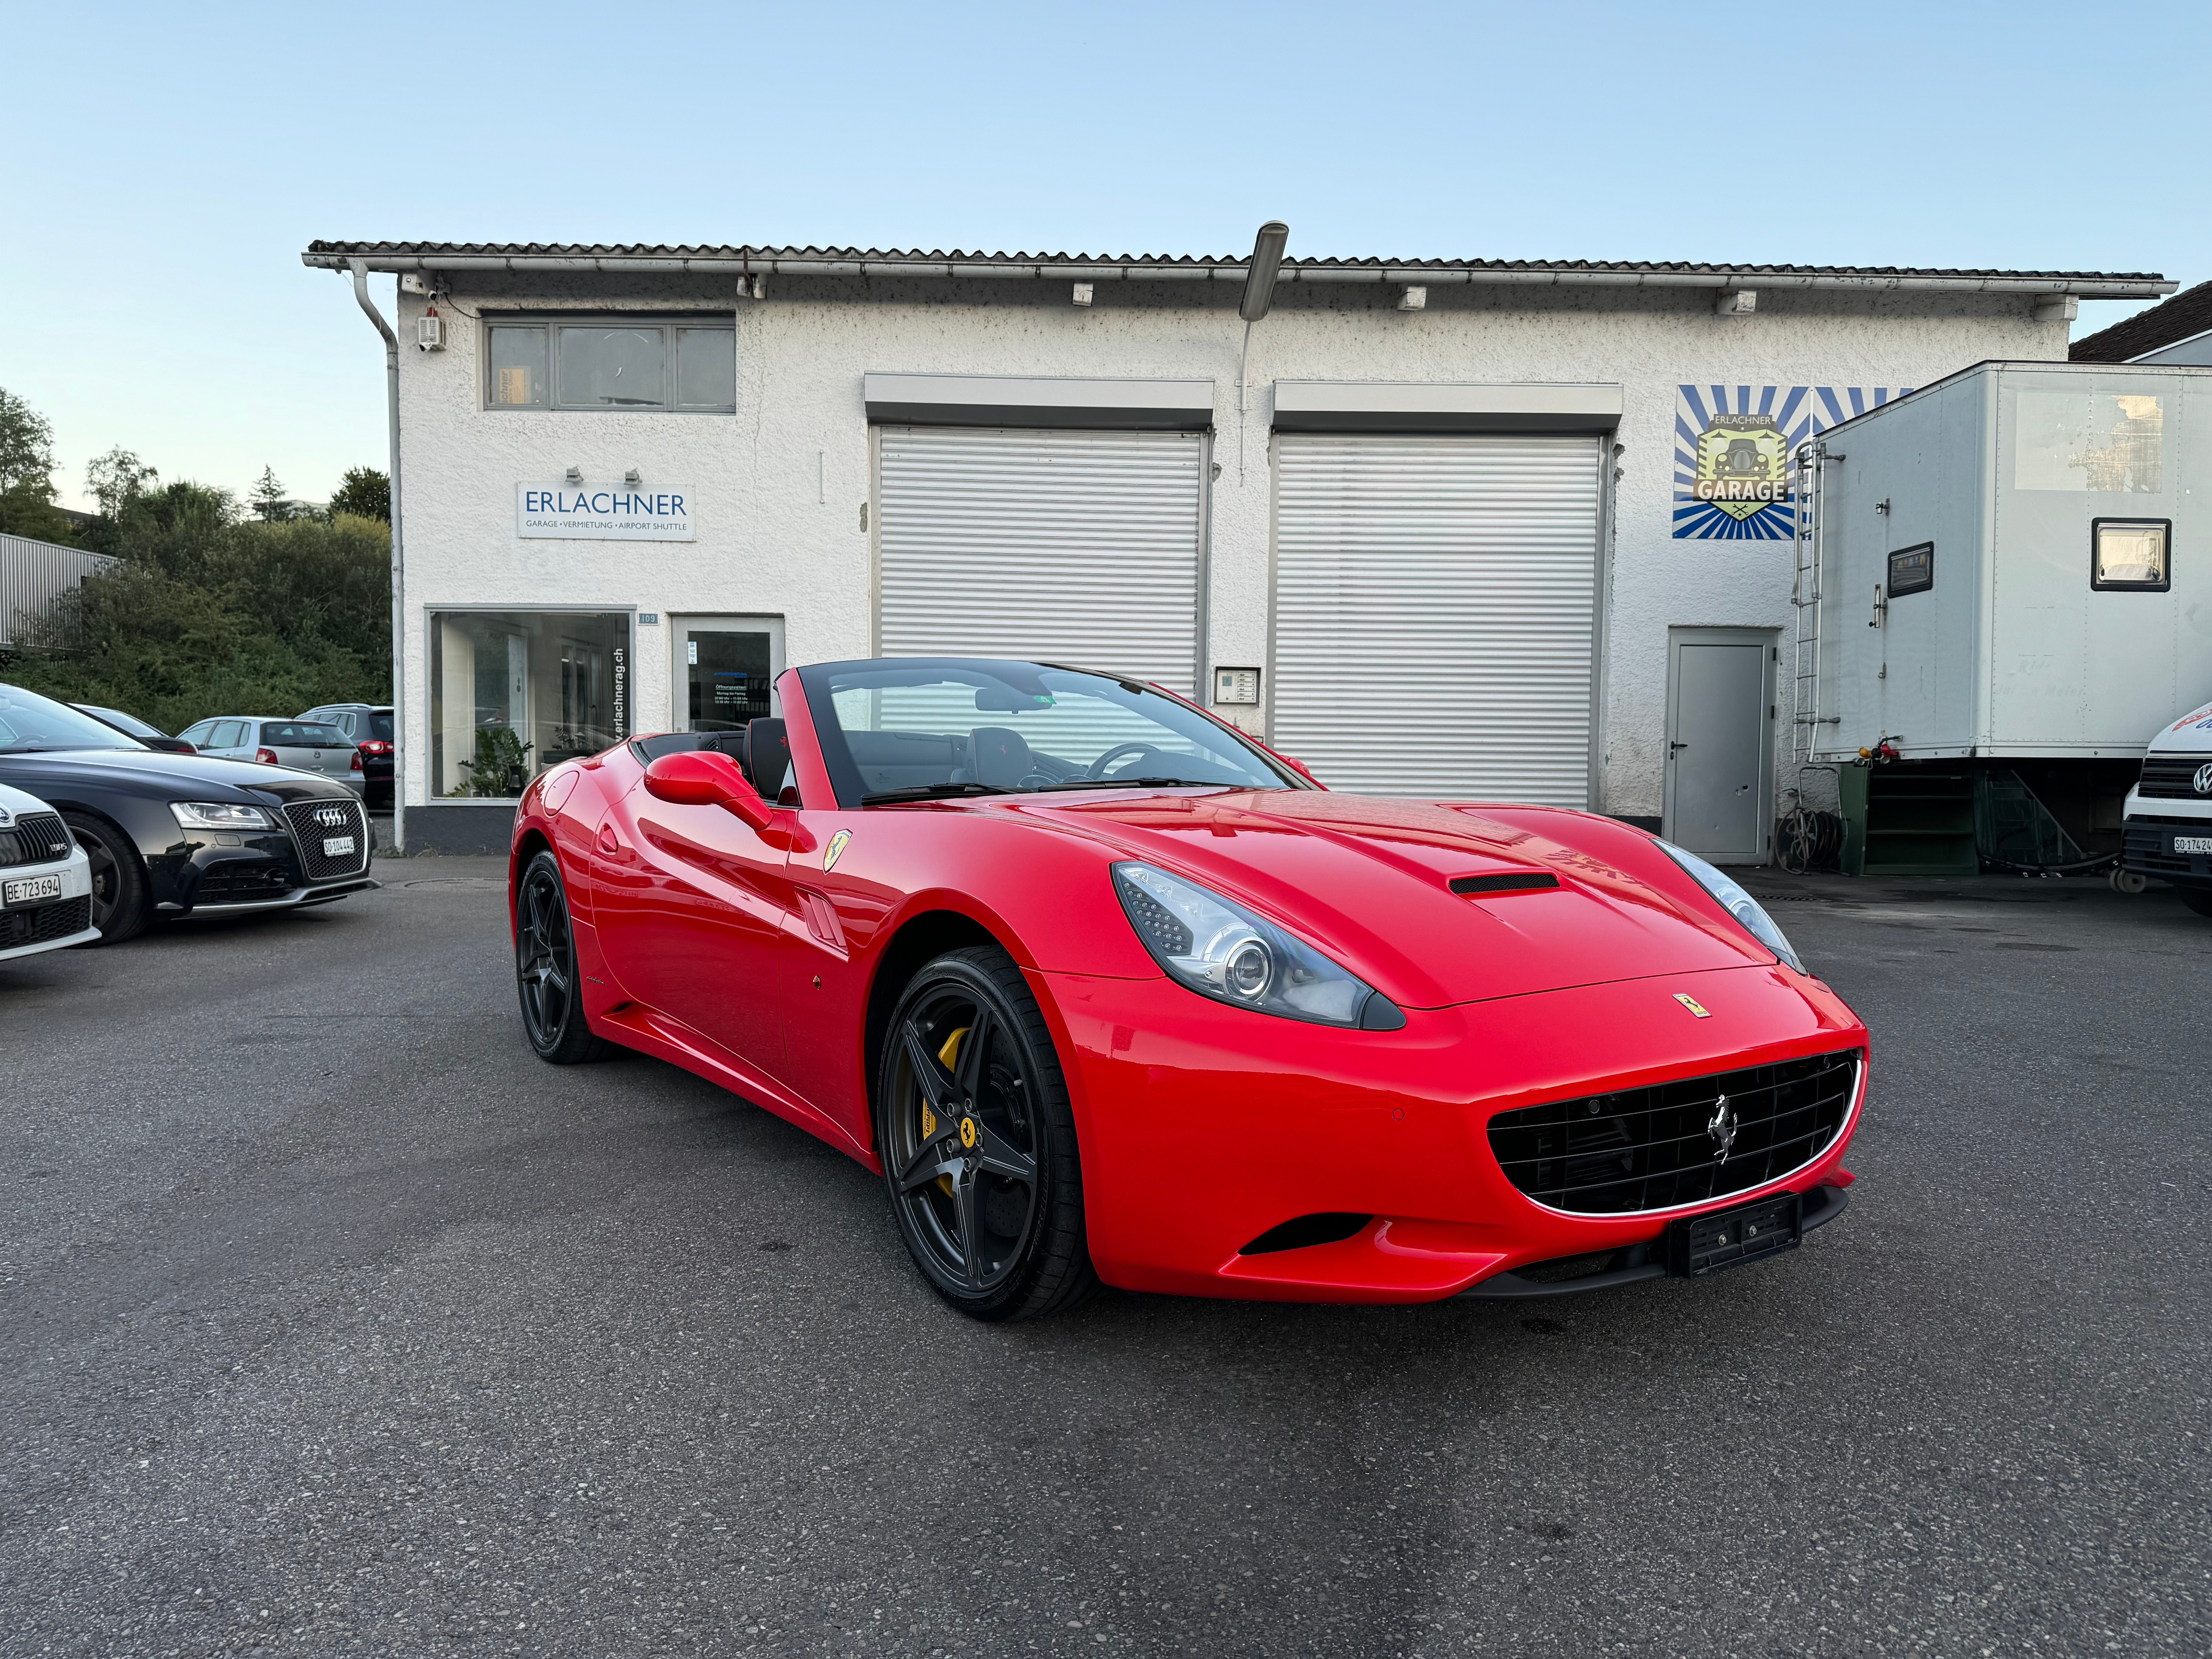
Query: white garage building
x=1473 y=530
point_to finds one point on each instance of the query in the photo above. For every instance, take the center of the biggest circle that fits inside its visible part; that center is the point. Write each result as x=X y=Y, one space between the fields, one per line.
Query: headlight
x=218 y=815
x=1737 y=903
x=1222 y=951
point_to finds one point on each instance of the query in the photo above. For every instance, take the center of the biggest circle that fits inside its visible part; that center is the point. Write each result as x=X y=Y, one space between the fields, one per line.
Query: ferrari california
x=1106 y=991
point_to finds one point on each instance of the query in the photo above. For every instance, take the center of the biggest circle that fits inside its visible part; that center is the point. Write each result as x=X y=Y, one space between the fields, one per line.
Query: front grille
x=241 y=881
x=46 y=923
x=311 y=824
x=2172 y=777
x=37 y=838
x=1653 y=1148
x=2144 y=846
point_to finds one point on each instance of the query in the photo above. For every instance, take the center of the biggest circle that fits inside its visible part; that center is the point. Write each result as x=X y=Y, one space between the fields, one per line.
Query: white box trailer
x=2014 y=564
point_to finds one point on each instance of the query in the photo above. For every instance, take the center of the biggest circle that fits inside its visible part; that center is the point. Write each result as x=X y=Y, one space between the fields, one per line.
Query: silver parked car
x=303 y=745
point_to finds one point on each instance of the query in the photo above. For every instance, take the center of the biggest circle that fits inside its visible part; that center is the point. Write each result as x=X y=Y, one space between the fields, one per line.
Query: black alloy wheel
x=545 y=969
x=121 y=898
x=978 y=1144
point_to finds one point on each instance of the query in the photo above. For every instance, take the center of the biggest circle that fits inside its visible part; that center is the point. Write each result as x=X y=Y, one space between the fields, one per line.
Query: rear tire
x=546 y=977
x=978 y=1142
x=2197 y=899
x=121 y=897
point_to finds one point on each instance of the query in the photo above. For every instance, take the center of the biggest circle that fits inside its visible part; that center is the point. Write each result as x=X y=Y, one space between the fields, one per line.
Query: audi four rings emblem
x=1722 y=1128
x=2204 y=780
x=331 y=819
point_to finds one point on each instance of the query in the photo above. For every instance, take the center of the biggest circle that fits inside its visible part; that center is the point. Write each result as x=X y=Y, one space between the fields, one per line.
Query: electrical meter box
x=2015 y=561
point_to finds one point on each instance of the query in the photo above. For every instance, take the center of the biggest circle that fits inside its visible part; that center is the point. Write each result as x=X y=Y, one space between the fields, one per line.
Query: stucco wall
x=777 y=487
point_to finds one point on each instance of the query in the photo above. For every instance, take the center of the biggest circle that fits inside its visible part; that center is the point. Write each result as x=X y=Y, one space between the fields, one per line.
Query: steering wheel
x=1098 y=768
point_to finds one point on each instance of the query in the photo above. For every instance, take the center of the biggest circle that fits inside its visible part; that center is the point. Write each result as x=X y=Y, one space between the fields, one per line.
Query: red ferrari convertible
x=1106 y=991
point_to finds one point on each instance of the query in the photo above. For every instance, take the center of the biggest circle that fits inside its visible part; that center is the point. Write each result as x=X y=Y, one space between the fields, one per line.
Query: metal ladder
x=1805 y=720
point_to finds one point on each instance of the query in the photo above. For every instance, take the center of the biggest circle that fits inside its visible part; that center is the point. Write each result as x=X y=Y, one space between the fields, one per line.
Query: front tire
x=122 y=898
x=546 y=977
x=978 y=1142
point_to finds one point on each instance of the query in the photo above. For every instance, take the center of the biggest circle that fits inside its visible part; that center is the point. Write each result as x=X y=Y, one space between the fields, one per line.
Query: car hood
x=1368 y=881
x=175 y=777
x=2189 y=735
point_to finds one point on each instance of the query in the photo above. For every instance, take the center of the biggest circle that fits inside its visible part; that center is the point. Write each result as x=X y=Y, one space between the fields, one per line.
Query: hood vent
x=1521 y=881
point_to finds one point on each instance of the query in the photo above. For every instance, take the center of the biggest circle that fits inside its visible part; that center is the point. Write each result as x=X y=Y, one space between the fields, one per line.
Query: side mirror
x=1298 y=767
x=704 y=777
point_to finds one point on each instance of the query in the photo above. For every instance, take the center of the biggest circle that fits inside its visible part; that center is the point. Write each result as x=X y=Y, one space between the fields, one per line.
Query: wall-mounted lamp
x=1736 y=302
x=574 y=475
x=631 y=478
x=1413 y=299
x=1083 y=294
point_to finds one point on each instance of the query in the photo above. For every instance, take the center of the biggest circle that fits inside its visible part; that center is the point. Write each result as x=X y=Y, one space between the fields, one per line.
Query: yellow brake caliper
x=948 y=1057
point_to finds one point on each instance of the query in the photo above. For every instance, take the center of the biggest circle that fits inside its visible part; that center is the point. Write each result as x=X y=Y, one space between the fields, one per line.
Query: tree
x=365 y=493
x=270 y=505
x=27 y=445
x=118 y=478
x=27 y=466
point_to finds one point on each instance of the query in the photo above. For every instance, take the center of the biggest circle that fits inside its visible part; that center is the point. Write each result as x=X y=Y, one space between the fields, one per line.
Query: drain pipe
x=398 y=560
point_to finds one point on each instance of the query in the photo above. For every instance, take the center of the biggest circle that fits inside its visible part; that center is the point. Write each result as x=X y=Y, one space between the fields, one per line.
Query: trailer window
x=2131 y=553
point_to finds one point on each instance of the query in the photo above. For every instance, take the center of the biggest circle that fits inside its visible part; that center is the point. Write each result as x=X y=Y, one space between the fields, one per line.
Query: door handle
x=1672 y=747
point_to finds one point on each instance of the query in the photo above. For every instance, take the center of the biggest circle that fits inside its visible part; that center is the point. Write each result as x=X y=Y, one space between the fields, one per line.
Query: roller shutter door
x=1435 y=608
x=1071 y=547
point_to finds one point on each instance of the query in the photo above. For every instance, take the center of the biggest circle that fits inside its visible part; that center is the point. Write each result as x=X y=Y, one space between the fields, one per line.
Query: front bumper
x=2148 y=830
x=28 y=930
x=1202 y=1129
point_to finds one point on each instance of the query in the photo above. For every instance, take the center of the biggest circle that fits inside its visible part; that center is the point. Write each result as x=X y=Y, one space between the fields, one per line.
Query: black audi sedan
x=182 y=835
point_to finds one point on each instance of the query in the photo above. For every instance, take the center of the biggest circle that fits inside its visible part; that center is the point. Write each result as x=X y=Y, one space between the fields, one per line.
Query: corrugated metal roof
x=854 y=261
x=2183 y=317
x=34 y=573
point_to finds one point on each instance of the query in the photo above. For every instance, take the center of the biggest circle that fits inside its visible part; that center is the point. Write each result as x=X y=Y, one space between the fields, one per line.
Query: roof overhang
x=735 y=262
x=1445 y=406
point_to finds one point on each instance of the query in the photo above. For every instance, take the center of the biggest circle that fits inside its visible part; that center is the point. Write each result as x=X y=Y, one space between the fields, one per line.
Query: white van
x=2167 y=832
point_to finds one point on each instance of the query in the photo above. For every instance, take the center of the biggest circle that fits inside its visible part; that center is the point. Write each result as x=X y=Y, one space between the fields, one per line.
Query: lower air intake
x=1676 y=1143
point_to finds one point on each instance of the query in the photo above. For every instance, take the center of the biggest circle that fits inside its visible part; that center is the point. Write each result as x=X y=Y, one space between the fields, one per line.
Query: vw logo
x=1722 y=1128
x=331 y=819
x=2203 y=780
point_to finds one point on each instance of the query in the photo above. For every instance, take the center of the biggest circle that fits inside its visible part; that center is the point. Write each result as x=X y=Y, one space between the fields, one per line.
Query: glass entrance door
x=726 y=670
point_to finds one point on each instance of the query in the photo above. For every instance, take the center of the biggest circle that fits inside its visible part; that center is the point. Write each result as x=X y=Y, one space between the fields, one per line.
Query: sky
x=162 y=170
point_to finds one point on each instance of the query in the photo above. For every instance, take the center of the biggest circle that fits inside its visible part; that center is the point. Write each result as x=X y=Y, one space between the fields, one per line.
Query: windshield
x=303 y=734
x=29 y=722
x=116 y=717
x=923 y=727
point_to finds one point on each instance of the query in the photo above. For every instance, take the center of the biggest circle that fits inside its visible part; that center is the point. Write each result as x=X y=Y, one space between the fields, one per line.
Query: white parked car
x=2167 y=832
x=312 y=746
x=45 y=880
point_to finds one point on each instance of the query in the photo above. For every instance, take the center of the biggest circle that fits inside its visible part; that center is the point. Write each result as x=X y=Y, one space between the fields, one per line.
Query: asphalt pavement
x=334 y=1323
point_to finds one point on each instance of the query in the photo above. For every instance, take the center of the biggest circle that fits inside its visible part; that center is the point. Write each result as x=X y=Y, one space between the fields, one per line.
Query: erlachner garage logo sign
x=620 y=512
x=1735 y=446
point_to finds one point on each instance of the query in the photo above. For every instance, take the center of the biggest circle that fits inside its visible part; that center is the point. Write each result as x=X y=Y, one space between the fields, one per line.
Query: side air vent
x=1329 y=1227
x=1521 y=881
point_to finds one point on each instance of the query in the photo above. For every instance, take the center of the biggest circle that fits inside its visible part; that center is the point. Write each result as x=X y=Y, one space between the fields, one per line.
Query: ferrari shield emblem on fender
x=1692 y=1005
x=835 y=850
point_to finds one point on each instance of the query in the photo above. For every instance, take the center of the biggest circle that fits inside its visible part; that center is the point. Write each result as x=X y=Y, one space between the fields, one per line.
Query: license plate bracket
x=1701 y=1244
x=31 y=890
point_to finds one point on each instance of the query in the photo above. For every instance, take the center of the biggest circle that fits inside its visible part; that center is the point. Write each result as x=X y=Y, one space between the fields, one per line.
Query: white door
x=726 y=670
x=1436 y=614
x=1081 y=548
x=1720 y=746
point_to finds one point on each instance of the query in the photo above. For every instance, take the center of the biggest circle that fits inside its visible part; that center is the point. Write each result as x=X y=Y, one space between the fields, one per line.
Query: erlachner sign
x=618 y=513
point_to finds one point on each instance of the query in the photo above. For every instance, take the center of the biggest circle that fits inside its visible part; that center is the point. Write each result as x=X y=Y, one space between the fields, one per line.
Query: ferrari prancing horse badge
x=835 y=850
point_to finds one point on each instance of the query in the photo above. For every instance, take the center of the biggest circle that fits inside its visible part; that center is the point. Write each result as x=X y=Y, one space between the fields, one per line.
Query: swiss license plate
x=31 y=890
x=335 y=847
x=1702 y=1244
x=2186 y=844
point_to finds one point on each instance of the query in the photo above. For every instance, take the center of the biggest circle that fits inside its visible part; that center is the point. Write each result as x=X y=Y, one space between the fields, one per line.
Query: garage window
x=512 y=692
x=688 y=367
